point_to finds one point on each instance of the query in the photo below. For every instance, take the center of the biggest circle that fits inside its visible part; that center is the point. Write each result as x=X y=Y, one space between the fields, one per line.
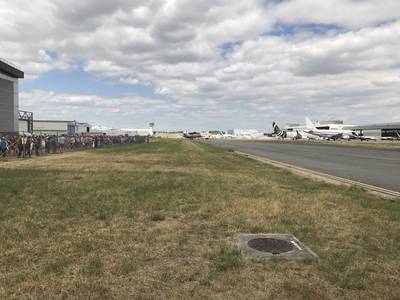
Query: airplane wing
x=314 y=133
x=325 y=135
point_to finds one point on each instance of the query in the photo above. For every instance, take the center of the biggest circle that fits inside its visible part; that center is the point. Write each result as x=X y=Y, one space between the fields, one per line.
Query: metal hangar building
x=9 y=76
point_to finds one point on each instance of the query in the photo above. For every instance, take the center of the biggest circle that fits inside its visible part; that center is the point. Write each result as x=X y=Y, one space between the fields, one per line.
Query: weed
x=227 y=258
x=157 y=216
x=127 y=265
x=56 y=266
x=94 y=266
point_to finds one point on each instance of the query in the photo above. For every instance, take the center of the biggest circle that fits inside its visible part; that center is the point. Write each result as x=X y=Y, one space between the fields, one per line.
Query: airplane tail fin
x=309 y=124
x=279 y=132
x=276 y=128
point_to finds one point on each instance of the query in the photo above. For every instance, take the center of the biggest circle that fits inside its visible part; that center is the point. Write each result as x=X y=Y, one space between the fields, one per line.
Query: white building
x=142 y=132
x=58 y=127
x=124 y=131
x=245 y=133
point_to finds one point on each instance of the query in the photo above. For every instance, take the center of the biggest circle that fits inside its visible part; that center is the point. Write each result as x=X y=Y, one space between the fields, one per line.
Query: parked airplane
x=329 y=134
x=192 y=135
x=362 y=137
x=285 y=134
x=224 y=136
x=312 y=132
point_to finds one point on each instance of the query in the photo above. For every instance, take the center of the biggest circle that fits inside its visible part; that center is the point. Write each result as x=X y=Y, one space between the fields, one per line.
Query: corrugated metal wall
x=23 y=126
x=7 y=114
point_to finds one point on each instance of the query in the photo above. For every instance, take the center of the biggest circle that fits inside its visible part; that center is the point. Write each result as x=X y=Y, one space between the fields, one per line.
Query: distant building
x=244 y=133
x=9 y=76
x=57 y=127
x=142 y=132
x=125 y=131
x=25 y=122
x=381 y=130
x=99 y=130
x=169 y=135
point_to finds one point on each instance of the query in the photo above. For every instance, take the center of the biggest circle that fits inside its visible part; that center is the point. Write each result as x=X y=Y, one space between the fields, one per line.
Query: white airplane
x=311 y=132
x=362 y=137
x=225 y=136
x=292 y=133
x=334 y=134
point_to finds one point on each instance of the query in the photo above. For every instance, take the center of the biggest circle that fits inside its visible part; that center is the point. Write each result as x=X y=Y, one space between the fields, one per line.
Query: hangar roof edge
x=10 y=69
x=395 y=125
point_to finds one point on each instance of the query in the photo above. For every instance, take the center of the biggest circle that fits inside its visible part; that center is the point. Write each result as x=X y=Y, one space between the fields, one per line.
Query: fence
x=27 y=146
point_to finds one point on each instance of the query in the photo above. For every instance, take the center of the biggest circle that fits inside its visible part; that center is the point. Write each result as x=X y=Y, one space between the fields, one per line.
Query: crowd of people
x=24 y=146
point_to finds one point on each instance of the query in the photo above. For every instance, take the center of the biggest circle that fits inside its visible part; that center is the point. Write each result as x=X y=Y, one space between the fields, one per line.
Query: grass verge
x=158 y=220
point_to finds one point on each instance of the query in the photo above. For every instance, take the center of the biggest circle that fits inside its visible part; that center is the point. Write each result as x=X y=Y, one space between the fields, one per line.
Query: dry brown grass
x=158 y=221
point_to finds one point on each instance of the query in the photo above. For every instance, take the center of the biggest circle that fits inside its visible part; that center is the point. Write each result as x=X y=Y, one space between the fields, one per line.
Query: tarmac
x=377 y=167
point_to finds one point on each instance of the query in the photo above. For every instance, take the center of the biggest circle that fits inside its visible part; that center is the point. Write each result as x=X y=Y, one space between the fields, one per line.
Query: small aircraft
x=224 y=136
x=192 y=135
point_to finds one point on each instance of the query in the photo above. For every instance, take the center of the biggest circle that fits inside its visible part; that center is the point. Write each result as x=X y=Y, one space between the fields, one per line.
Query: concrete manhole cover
x=273 y=245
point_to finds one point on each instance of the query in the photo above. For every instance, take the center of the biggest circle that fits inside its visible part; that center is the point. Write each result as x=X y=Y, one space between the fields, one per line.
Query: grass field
x=158 y=221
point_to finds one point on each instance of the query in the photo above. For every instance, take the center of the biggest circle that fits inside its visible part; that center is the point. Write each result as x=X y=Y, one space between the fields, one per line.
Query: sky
x=202 y=65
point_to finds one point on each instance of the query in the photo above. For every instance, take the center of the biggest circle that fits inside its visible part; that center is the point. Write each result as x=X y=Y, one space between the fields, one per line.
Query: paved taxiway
x=376 y=167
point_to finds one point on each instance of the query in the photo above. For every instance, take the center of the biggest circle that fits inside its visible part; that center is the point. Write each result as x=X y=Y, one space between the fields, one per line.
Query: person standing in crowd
x=37 y=145
x=47 y=145
x=72 y=142
x=61 y=143
x=53 y=144
x=3 y=147
x=42 y=145
x=28 y=146
x=22 y=146
x=13 y=145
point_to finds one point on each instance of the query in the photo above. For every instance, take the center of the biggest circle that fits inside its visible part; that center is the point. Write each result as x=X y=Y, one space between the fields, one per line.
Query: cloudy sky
x=187 y=64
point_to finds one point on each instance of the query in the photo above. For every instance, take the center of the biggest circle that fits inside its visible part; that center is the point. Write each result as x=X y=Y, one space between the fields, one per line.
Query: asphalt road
x=376 y=167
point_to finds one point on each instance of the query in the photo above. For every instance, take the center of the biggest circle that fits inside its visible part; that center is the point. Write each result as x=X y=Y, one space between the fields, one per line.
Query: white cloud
x=215 y=60
x=129 y=80
x=353 y=14
x=127 y=110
